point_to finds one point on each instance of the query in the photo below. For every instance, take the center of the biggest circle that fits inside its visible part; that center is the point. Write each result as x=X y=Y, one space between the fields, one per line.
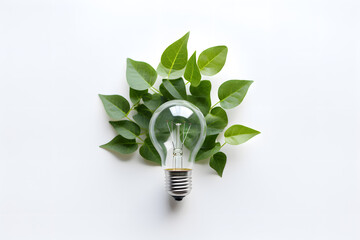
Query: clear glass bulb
x=177 y=129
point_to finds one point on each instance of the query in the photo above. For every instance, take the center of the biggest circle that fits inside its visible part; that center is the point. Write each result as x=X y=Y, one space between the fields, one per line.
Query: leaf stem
x=222 y=145
x=187 y=83
x=155 y=90
x=215 y=104
x=140 y=139
x=133 y=106
x=128 y=118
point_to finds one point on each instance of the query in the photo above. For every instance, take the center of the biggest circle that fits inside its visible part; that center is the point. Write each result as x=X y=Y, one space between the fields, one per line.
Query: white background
x=299 y=179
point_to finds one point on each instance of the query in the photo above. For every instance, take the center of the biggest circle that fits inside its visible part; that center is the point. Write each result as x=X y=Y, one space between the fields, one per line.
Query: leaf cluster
x=181 y=78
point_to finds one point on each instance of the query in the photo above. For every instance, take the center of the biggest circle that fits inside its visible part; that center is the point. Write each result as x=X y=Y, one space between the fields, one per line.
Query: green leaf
x=173 y=89
x=148 y=151
x=165 y=93
x=216 y=121
x=127 y=129
x=143 y=116
x=192 y=72
x=164 y=72
x=203 y=89
x=121 y=145
x=209 y=142
x=202 y=103
x=136 y=95
x=212 y=60
x=238 y=134
x=175 y=56
x=152 y=101
x=206 y=153
x=218 y=162
x=231 y=93
x=201 y=96
x=140 y=75
x=115 y=106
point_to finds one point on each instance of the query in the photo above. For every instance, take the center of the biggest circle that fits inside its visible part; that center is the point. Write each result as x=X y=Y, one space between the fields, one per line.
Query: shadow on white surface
x=175 y=206
x=122 y=157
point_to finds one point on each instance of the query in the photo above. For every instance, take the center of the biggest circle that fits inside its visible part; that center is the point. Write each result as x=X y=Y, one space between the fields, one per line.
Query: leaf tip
x=186 y=36
x=225 y=47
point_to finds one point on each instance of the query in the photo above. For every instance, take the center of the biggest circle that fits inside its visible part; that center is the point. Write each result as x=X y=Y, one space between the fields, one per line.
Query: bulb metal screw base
x=178 y=183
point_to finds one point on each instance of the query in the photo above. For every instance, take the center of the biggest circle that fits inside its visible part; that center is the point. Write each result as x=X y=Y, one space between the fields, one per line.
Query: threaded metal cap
x=178 y=183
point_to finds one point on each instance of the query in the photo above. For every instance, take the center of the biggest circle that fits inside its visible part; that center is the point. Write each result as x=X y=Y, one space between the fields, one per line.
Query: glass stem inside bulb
x=178 y=147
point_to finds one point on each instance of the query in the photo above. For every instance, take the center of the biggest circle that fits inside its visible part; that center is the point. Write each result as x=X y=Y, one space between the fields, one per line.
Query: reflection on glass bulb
x=177 y=129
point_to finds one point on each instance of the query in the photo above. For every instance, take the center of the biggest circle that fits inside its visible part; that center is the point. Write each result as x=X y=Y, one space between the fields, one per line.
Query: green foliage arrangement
x=173 y=68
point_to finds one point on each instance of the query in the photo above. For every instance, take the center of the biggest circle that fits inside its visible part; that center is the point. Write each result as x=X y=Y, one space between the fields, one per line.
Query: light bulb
x=177 y=130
